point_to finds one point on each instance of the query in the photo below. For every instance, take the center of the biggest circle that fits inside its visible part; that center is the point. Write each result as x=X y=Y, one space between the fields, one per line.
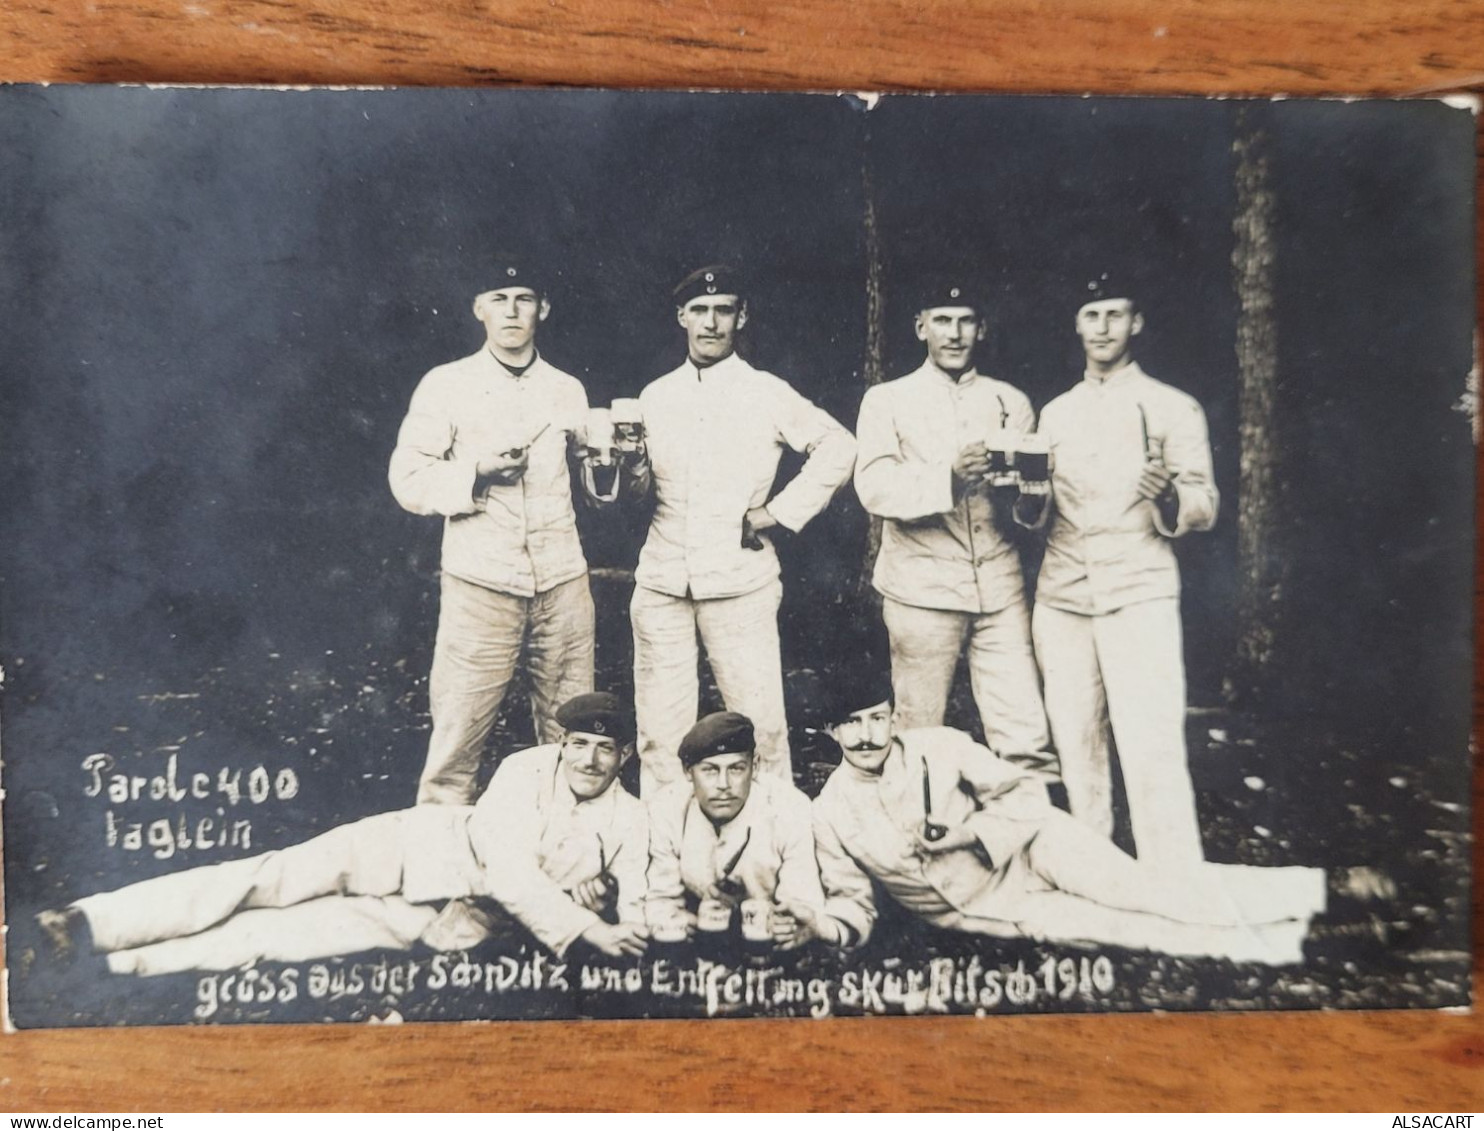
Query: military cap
x=948 y=289
x=725 y=732
x=599 y=713
x=1106 y=284
x=859 y=683
x=510 y=270
x=716 y=279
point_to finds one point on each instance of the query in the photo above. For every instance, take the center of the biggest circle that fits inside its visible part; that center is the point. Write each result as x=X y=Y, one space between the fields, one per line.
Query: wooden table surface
x=1395 y=1061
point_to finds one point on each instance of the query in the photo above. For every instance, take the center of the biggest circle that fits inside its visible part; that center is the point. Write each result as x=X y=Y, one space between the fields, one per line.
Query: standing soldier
x=486 y=443
x=1132 y=472
x=716 y=428
x=947 y=571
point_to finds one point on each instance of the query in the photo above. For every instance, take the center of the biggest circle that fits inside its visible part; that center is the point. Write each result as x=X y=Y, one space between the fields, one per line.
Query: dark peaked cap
x=597 y=713
x=725 y=732
x=948 y=289
x=510 y=270
x=1105 y=284
x=715 y=279
x=859 y=681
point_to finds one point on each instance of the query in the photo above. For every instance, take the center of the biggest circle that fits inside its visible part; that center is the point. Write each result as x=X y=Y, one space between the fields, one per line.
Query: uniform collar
x=500 y=369
x=726 y=367
x=931 y=372
x=1121 y=376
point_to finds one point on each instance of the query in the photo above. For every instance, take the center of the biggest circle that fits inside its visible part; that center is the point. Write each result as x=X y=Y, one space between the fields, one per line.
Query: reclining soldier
x=970 y=842
x=555 y=841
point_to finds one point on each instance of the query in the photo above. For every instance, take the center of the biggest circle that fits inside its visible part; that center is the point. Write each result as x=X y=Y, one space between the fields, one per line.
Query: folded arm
x=831 y=457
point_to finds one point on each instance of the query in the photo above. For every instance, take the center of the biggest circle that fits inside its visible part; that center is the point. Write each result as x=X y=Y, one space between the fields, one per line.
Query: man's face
x=1107 y=328
x=722 y=783
x=865 y=737
x=591 y=762
x=711 y=323
x=951 y=332
x=510 y=316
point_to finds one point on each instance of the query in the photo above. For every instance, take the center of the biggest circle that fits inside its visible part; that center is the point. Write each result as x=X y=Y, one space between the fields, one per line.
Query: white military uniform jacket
x=518 y=538
x=937 y=552
x=1107 y=548
x=715 y=436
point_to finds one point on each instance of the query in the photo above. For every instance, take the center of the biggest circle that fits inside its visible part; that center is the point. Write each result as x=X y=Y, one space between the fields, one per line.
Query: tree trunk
x=1260 y=560
x=875 y=337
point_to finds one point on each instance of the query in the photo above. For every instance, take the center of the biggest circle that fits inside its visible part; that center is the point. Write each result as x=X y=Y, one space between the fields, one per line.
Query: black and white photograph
x=552 y=554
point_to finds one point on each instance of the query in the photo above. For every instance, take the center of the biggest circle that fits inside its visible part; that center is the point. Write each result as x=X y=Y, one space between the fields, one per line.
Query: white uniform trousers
x=1075 y=886
x=344 y=891
x=1125 y=668
x=740 y=635
x=925 y=646
x=480 y=635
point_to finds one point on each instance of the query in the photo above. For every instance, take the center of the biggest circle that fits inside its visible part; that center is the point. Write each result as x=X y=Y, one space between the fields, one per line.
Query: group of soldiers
x=964 y=836
x=1121 y=465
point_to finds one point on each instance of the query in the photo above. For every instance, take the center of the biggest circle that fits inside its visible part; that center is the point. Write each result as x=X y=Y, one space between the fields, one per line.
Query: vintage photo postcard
x=528 y=554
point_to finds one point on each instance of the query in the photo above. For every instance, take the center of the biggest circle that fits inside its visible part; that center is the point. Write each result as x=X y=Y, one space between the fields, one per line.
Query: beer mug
x=670 y=929
x=757 y=920
x=1003 y=445
x=714 y=916
x=628 y=425
x=1033 y=459
x=599 y=440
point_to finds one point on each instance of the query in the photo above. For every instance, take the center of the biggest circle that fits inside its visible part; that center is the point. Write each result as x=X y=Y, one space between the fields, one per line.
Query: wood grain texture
x=1379 y=1061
